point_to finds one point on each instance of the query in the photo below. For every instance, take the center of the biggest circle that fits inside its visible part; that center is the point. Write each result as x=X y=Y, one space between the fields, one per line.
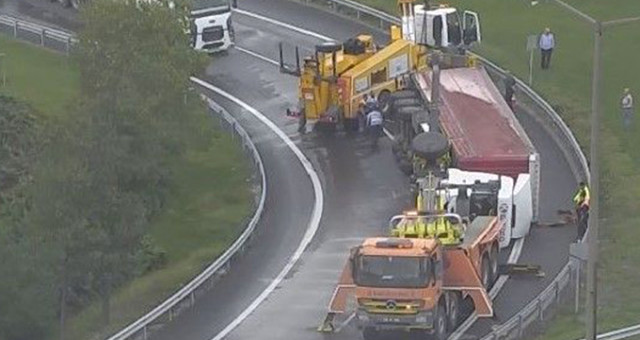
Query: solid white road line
x=517 y=246
x=316 y=214
x=256 y=55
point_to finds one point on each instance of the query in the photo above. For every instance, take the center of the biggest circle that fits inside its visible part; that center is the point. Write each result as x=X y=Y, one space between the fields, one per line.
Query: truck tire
x=302 y=122
x=384 y=100
x=493 y=257
x=329 y=47
x=407 y=102
x=351 y=125
x=407 y=112
x=485 y=271
x=454 y=309
x=403 y=94
x=440 y=323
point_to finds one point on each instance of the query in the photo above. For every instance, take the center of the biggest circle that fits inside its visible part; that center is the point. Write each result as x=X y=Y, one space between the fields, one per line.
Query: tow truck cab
x=398 y=282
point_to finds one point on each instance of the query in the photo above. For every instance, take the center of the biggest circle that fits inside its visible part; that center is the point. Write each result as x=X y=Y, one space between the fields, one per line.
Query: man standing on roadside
x=509 y=89
x=626 y=104
x=547 y=43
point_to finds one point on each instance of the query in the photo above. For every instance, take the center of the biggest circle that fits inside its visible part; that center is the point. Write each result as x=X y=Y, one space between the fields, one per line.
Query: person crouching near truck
x=581 y=201
x=374 y=125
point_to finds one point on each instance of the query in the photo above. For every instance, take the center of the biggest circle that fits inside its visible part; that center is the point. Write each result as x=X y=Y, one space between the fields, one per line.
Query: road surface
x=362 y=189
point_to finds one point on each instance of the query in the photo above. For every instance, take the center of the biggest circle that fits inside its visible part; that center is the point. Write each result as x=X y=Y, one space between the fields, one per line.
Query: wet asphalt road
x=362 y=189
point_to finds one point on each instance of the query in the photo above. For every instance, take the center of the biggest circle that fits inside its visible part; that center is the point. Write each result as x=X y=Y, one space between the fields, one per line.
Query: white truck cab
x=492 y=195
x=445 y=27
x=211 y=26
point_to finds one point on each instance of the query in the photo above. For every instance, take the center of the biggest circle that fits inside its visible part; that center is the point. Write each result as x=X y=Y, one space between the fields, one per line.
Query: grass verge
x=208 y=202
x=567 y=86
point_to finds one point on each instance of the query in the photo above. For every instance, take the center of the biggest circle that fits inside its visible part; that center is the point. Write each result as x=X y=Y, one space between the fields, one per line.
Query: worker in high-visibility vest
x=581 y=200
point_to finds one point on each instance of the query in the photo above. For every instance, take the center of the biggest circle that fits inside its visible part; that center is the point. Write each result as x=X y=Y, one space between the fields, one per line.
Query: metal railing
x=186 y=296
x=380 y=19
x=44 y=36
x=543 y=305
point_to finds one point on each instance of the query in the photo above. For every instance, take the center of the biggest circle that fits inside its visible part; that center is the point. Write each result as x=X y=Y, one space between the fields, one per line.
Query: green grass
x=201 y=219
x=210 y=198
x=567 y=85
x=46 y=80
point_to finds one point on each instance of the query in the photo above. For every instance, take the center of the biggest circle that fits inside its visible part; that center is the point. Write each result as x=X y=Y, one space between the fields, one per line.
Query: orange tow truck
x=416 y=279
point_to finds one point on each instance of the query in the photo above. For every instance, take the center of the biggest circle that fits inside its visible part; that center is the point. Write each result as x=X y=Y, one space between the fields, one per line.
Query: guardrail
x=44 y=36
x=186 y=296
x=540 y=307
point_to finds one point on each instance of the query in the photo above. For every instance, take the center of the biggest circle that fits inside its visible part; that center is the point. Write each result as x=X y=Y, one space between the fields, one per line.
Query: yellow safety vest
x=582 y=197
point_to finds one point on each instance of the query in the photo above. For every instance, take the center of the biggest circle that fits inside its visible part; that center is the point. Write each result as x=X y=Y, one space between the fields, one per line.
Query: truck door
x=471 y=28
x=522 y=200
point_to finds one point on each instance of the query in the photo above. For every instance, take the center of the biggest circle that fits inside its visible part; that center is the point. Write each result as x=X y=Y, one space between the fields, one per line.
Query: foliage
x=98 y=180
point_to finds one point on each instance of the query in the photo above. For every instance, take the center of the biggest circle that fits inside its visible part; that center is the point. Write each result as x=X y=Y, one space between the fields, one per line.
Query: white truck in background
x=211 y=27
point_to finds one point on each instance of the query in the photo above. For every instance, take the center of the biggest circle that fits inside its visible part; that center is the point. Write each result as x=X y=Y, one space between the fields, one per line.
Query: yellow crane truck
x=334 y=81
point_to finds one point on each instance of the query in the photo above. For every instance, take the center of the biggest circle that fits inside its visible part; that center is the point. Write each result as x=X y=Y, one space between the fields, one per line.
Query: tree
x=133 y=94
x=19 y=141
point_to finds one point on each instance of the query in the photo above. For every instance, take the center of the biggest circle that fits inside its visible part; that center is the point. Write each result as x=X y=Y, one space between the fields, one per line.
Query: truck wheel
x=453 y=314
x=351 y=125
x=402 y=94
x=407 y=102
x=328 y=47
x=493 y=256
x=369 y=333
x=486 y=272
x=302 y=122
x=440 y=323
x=407 y=112
x=383 y=100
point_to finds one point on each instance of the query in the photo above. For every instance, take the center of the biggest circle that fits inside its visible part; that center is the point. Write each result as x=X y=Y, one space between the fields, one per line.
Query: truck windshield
x=390 y=271
x=206 y=4
x=454 y=29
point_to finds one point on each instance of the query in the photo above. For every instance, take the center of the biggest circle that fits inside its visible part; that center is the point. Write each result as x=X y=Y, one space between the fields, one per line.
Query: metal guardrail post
x=2 y=68
x=520 y=330
x=15 y=29
x=540 y=311
x=43 y=34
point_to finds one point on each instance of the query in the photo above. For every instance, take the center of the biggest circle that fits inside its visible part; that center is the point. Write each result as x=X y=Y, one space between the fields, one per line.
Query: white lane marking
x=256 y=55
x=516 y=251
x=316 y=214
x=282 y=24
x=517 y=247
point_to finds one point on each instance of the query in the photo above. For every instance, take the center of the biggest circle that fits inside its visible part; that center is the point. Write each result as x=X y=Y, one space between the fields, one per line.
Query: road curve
x=548 y=247
x=362 y=189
